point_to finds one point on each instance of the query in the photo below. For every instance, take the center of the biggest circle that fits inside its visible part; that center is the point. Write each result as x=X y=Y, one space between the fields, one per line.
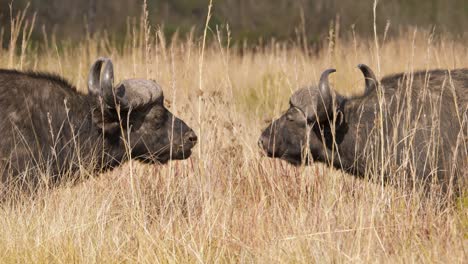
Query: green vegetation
x=248 y=20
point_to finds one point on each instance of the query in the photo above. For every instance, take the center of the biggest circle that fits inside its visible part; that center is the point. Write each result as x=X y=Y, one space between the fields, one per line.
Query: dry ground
x=228 y=203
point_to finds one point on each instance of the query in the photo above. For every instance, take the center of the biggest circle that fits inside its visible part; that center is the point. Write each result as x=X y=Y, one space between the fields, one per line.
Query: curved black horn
x=324 y=88
x=371 y=80
x=94 y=77
x=107 y=81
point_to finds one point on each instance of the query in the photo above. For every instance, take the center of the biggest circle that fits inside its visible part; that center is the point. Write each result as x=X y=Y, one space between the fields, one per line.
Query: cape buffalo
x=413 y=122
x=45 y=123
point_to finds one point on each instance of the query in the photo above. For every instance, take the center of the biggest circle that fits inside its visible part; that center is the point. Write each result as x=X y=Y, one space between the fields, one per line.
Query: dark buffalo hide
x=414 y=123
x=45 y=123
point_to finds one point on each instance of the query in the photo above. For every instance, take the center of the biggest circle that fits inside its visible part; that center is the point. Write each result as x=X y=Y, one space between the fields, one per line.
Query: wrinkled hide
x=422 y=121
x=46 y=124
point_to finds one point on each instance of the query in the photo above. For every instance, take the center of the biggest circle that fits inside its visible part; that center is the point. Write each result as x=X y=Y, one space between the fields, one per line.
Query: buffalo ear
x=105 y=121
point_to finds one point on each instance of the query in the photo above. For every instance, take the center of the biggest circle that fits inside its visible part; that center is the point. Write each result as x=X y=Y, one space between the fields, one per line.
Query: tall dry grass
x=228 y=203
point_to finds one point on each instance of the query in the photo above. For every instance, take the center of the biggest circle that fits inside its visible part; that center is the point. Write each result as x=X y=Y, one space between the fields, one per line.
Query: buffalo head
x=309 y=125
x=133 y=113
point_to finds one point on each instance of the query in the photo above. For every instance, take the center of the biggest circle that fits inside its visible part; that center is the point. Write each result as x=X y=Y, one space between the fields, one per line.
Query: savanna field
x=228 y=202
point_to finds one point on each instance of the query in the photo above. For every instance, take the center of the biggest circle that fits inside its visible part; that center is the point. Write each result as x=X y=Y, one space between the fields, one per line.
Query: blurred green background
x=249 y=20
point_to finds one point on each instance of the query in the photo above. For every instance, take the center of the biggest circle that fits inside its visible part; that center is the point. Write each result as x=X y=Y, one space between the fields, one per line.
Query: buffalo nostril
x=192 y=137
x=260 y=143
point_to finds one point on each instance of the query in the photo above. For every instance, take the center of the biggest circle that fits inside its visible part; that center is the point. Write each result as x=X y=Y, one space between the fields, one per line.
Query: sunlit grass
x=228 y=203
